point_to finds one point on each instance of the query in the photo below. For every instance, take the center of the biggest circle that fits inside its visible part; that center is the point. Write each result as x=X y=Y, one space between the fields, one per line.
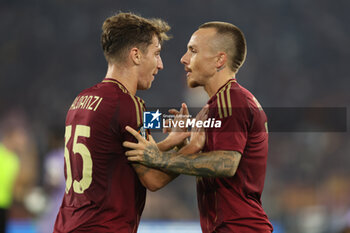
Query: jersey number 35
x=78 y=148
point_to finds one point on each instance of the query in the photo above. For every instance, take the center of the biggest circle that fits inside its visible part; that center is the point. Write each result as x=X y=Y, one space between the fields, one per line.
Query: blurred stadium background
x=298 y=56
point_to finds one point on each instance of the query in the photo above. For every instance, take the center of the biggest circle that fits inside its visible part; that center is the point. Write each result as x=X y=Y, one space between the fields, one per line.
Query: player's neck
x=123 y=75
x=217 y=81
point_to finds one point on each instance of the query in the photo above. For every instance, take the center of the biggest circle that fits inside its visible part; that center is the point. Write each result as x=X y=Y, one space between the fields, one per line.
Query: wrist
x=191 y=148
x=162 y=160
x=164 y=145
x=182 y=144
x=196 y=147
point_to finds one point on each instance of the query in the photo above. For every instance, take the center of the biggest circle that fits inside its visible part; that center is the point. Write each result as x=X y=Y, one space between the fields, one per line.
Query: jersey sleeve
x=234 y=114
x=129 y=112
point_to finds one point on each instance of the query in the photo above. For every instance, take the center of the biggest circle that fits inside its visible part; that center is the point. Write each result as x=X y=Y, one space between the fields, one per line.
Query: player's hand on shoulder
x=144 y=151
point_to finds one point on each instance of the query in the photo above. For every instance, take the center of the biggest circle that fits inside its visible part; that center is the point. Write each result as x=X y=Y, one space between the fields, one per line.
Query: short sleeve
x=129 y=112
x=233 y=133
x=231 y=108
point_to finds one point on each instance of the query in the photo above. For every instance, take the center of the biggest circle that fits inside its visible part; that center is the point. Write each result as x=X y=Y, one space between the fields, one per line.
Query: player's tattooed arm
x=212 y=164
x=151 y=178
x=140 y=169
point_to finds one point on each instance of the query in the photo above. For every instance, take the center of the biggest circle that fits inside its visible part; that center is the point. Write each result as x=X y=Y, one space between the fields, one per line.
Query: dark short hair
x=234 y=43
x=123 y=31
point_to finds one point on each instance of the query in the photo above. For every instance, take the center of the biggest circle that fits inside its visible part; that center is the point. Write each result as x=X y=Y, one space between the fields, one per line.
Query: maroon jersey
x=233 y=204
x=103 y=192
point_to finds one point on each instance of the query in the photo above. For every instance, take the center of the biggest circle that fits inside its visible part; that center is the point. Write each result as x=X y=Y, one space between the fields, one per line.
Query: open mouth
x=189 y=71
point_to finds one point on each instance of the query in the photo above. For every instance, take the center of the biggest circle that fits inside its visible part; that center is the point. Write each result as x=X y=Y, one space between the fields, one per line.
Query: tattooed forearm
x=215 y=163
x=140 y=169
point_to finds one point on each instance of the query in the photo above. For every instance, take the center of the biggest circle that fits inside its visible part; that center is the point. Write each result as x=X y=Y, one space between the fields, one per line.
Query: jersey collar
x=231 y=80
x=120 y=85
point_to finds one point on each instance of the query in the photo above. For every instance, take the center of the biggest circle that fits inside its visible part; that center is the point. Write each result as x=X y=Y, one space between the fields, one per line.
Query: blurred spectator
x=15 y=138
x=345 y=230
x=11 y=139
x=54 y=182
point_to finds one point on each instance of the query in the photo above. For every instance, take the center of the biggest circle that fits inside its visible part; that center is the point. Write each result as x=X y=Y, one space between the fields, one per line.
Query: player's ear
x=221 y=60
x=135 y=55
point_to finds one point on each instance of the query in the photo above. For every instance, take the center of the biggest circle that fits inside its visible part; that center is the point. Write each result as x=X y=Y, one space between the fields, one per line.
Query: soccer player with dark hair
x=104 y=192
x=231 y=166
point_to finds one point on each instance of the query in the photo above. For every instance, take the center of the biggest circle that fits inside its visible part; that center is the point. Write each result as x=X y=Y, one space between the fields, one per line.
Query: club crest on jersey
x=151 y=120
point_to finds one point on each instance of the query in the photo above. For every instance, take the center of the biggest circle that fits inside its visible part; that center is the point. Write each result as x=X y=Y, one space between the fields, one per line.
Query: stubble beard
x=192 y=83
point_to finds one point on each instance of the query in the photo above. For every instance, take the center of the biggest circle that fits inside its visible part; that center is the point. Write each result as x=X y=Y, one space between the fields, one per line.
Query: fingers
x=186 y=134
x=133 y=145
x=205 y=109
x=166 y=129
x=151 y=139
x=173 y=111
x=185 y=109
x=135 y=134
x=203 y=114
x=135 y=159
x=134 y=153
x=179 y=116
x=181 y=111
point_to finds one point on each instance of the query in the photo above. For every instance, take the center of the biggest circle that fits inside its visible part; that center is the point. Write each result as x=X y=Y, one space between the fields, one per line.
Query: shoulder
x=131 y=108
x=249 y=98
x=240 y=97
x=233 y=99
x=122 y=94
x=229 y=99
